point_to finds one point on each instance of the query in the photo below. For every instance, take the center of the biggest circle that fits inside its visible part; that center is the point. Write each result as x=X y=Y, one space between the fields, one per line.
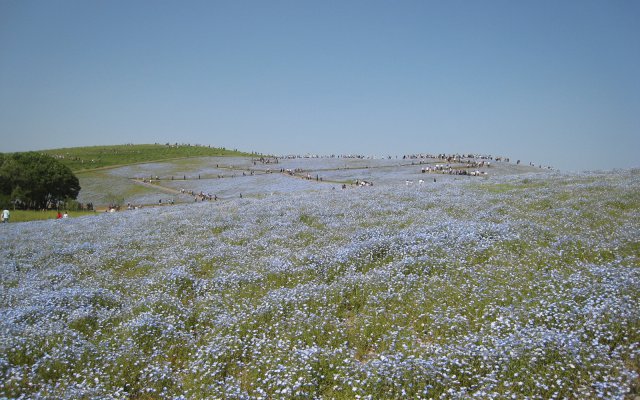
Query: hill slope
x=517 y=287
x=228 y=177
x=93 y=157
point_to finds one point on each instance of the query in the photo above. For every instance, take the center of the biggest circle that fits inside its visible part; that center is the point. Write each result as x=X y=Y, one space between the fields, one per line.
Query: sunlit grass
x=31 y=215
x=94 y=157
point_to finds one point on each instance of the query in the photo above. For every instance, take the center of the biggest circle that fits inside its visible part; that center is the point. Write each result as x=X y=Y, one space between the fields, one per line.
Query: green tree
x=5 y=187
x=35 y=180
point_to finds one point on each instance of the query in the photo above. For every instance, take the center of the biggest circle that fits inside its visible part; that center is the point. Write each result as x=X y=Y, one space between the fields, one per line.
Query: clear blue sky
x=552 y=82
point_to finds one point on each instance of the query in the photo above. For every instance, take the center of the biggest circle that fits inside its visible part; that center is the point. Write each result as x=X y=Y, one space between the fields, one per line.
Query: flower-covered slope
x=522 y=287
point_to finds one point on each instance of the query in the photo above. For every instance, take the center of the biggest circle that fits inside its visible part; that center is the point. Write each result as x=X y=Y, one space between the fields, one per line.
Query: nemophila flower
x=507 y=288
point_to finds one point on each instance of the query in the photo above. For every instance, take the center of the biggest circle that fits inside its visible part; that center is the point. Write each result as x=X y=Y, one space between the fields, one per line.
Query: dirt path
x=151 y=185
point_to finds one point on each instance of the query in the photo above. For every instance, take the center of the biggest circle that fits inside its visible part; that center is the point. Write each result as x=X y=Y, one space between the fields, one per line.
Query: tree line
x=34 y=180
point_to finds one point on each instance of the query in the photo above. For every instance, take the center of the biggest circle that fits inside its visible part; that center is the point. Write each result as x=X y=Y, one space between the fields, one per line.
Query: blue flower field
x=519 y=286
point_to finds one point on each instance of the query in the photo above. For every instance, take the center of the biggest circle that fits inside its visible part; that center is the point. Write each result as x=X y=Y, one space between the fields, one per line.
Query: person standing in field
x=5 y=215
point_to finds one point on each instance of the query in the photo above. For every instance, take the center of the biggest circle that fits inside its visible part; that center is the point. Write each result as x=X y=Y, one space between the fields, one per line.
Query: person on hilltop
x=5 y=215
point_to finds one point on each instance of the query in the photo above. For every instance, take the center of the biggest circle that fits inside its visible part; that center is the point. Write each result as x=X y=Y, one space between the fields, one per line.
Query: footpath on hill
x=147 y=183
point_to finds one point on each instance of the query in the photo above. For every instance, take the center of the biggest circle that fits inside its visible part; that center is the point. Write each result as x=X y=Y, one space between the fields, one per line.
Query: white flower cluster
x=517 y=287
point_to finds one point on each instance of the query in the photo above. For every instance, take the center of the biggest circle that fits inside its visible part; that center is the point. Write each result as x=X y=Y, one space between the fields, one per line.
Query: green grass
x=113 y=188
x=88 y=161
x=498 y=188
x=310 y=221
x=31 y=215
x=94 y=157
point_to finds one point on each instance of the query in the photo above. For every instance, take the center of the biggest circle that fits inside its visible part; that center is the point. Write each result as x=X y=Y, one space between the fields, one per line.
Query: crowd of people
x=453 y=157
x=467 y=164
x=202 y=196
x=363 y=183
x=464 y=170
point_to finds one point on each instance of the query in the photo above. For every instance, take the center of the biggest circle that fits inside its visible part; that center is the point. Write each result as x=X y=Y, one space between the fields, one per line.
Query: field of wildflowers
x=228 y=177
x=521 y=286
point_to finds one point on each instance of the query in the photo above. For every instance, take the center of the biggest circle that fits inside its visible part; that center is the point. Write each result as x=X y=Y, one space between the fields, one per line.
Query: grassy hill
x=121 y=174
x=93 y=157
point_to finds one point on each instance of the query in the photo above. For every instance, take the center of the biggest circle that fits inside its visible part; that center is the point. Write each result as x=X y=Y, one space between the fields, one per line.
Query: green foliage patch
x=32 y=215
x=93 y=157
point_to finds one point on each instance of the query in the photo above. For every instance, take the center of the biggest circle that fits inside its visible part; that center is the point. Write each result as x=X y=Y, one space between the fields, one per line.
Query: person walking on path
x=5 y=215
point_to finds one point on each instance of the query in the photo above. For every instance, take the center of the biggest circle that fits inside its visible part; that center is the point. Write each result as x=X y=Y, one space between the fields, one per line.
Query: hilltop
x=94 y=157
